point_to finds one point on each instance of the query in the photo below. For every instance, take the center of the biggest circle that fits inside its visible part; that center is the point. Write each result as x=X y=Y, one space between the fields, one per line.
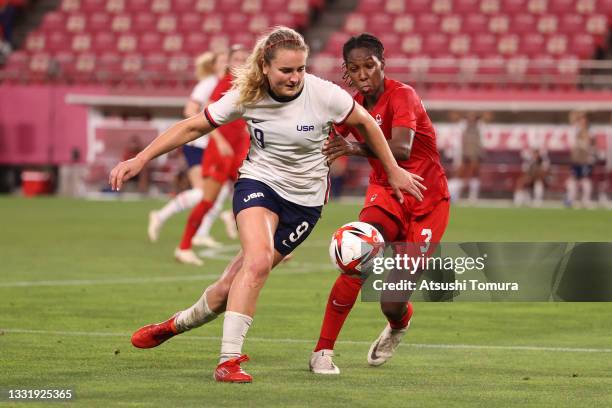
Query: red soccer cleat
x=230 y=371
x=153 y=335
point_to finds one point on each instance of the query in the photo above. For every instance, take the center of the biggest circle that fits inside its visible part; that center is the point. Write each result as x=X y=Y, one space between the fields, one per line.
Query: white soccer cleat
x=187 y=256
x=154 y=227
x=385 y=345
x=228 y=219
x=206 y=241
x=321 y=362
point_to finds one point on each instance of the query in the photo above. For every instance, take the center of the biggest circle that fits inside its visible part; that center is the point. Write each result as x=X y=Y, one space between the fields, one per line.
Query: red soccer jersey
x=235 y=132
x=400 y=106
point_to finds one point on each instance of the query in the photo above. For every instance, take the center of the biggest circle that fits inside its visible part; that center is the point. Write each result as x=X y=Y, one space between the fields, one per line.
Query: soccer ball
x=354 y=246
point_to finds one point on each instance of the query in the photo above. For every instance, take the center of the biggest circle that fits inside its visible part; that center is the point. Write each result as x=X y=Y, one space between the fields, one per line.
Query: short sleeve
x=203 y=90
x=340 y=104
x=404 y=104
x=225 y=110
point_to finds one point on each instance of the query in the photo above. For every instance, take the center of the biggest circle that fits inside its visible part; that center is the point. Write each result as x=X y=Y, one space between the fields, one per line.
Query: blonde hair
x=250 y=80
x=205 y=65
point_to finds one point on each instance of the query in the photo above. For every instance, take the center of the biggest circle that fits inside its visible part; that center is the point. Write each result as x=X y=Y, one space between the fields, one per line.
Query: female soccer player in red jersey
x=399 y=112
x=226 y=150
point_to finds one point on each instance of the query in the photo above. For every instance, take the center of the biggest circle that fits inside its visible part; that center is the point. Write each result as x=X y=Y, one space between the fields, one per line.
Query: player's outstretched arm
x=399 y=179
x=177 y=135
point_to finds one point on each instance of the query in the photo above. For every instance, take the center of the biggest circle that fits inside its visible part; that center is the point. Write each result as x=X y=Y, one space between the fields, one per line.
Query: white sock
x=235 y=328
x=571 y=190
x=520 y=197
x=455 y=186
x=538 y=192
x=587 y=190
x=195 y=316
x=474 y=186
x=213 y=213
x=183 y=201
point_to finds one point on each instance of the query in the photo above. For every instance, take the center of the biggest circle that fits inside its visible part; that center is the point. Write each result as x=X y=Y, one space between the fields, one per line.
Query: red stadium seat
x=547 y=24
x=131 y=68
x=556 y=44
x=466 y=6
x=499 y=24
x=582 y=45
x=104 y=42
x=516 y=67
x=228 y=6
x=259 y=23
x=460 y=44
x=336 y=42
x=514 y=6
x=537 y=6
x=245 y=39
x=523 y=23
x=427 y=23
x=195 y=43
x=91 y=6
x=70 y=6
x=468 y=65
x=532 y=44
x=138 y=6
x=154 y=68
x=252 y=6
x=274 y=6
x=205 y=6
x=121 y=23
x=236 y=22
x=561 y=7
x=219 y=42
x=284 y=19
x=183 y=6
x=597 y=24
x=38 y=67
x=115 y=6
x=395 y=6
x=418 y=6
x=144 y=22
x=189 y=22
x=57 y=41
x=371 y=6
x=380 y=23
x=475 y=23
x=54 y=21
x=81 y=43
x=589 y=6
x=492 y=65
x=391 y=41
x=508 y=44
x=571 y=24
x=435 y=44
x=484 y=44
x=108 y=67
x=83 y=69
x=298 y=7
x=98 y=22
x=150 y=42
x=412 y=44
x=213 y=23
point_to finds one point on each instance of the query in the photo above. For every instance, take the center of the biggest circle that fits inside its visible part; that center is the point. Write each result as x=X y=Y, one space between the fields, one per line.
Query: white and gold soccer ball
x=354 y=246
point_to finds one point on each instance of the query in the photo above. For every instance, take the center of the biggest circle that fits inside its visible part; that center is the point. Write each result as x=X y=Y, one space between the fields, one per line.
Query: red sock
x=400 y=324
x=340 y=302
x=193 y=222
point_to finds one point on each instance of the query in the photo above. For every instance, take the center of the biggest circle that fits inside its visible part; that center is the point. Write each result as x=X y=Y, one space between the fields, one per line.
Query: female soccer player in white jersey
x=283 y=182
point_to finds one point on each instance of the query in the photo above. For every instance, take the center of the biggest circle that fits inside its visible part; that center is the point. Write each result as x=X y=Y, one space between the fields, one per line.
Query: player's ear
x=265 y=68
x=382 y=64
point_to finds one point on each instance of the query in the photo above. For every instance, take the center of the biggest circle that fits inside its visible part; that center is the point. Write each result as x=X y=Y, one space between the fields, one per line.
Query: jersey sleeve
x=404 y=105
x=203 y=90
x=225 y=110
x=339 y=104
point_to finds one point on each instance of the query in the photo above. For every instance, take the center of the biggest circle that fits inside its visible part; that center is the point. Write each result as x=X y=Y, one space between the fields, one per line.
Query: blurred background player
x=210 y=67
x=535 y=168
x=282 y=187
x=399 y=112
x=582 y=156
x=227 y=148
x=471 y=156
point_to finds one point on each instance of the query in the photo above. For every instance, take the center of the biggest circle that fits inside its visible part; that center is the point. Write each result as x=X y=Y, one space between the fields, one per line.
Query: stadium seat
x=98 y=22
x=418 y=6
x=556 y=44
x=252 y=6
x=547 y=24
x=561 y=7
x=499 y=24
x=427 y=23
x=484 y=44
x=38 y=67
x=172 y=43
x=571 y=24
x=82 y=71
x=532 y=44
x=597 y=24
x=195 y=43
x=412 y=44
x=108 y=67
x=70 y=6
x=81 y=43
x=161 y=6
x=466 y=6
x=127 y=43
x=121 y=23
x=514 y=6
x=451 y=24
x=508 y=44
x=213 y=23
x=243 y=38
x=219 y=42
x=475 y=23
x=380 y=23
x=403 y=23
x=35 y=42
x=54 y=21
x=228 y=6
x=395 y=6
x=371 y=6
x=104 y=42
x=491 y=65
x=76 y=23
x=537 y=6
x=283 y=19
x=166 y=23
x=236 y=22
x=335 y=42
x=582 y=45
x=150 y=42
x=205 y=6
x=144 y=22
x=441 y=6
x=460 y=44
x=436 y=44
x=392 y=42
x=92 y=6
x=115 y=6
x=189 y=22
x=138 y=6
x=588 y=6
x=258 y=24
x=183 y=6
x=523 y=23
x=489 y=6
x=56 y=41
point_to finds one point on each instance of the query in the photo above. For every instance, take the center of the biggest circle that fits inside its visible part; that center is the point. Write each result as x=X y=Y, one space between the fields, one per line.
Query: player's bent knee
x=259 y=266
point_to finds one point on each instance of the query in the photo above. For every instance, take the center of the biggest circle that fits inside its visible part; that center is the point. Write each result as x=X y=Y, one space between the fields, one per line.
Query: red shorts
x=221 y=168
x=421 y=228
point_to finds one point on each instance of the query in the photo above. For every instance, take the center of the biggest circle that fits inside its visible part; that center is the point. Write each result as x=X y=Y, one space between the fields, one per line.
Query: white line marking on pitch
x=312 y=341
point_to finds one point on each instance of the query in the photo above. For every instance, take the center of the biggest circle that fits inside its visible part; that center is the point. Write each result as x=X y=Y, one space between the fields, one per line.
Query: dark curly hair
x=364 y=40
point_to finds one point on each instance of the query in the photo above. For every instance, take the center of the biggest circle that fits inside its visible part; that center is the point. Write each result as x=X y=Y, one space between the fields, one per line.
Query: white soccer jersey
x=287 y=138
x=201 y=94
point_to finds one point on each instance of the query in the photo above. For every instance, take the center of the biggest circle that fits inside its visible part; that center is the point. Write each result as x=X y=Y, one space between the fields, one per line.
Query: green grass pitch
x=77 y=277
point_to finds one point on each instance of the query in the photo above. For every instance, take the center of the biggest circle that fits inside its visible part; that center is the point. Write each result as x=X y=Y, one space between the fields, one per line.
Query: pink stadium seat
x=284 y=19
x=70 y=6
x=460 y=44
x=490 y=7
x=445 y=64
x=442 y=6
x=98 y=22
x=297 y=7
x=395 y=7
x=561 y=7
x=121 y=23
x=115 y=6
x=127 y=43
x=532 y=44
x=183 y=6
x=54 y=21
x=582 y=45
x=391 y=41
x=514 y=6
x=499 y=24
x=108 y=67
x=39 y=67
x=412 y=44
x=258 y=24
x=161 y=6
x=228 y=6
x=245 y=39
x=543 y=64
x=154 y=66
x=172 y=43
x=571 y=24
x=380 y=23
x=81 y=43
x=537 y=6
x=403 y=23
x=104 y=42
x=475 y=23
x=508 y=44
x=189 y=22
x=605 y=7
x=484 y=44
x=17 y=63
x=205 y=6
x=144 y=22
x=90 y=6
x=371 y=6
x=274 y=6
x=166 y=23
x=548 y=24
x=335 y=43
x=252 y=6
x=138 y=6
x=219 y=42
x=597 y=24
x=516 y=67
x=451 y=23
x=523 y=23
x=557 y=44
x=468 y=65
x=212 y=23
x=588 y=6
x=466 y=6
x=76 y=23
x=83 y=68
x=427 y=23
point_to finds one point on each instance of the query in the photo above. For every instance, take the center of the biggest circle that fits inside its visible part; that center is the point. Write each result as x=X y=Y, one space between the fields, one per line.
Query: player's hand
x=401 y=179
x=123 y=172
x=225 y=149
x=336 y=146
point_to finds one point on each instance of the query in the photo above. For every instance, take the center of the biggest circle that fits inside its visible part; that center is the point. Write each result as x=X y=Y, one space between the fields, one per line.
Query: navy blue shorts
x=295 y=222
x=581 y=171
x=193 y=155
